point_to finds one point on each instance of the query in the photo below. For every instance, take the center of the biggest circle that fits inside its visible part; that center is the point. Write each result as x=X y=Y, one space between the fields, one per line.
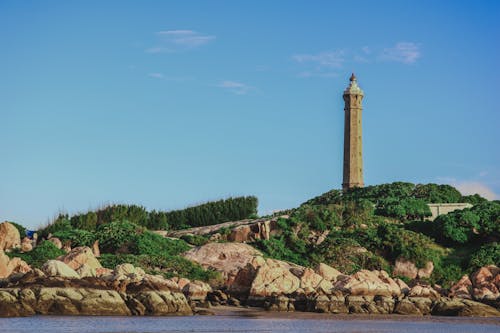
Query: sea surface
x=243 y=322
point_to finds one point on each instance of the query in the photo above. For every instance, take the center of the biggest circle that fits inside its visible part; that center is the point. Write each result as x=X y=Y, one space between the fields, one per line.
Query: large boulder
x=58 y=268
x=80 y=256
x=196 y=290
x=273 y=277
x=368 y=283
x=26 y=245
x=9 y=236
x=56 y=241
x=486 y=283
x=407 y=268
x=327 y=272
x=158 y=303
x=4 y=261
x=482 y=285
x=252 y=232
x=11 y=266
x=310 y=281
x=463 y=307
x=80 y=301
x=128 y=272
x=227 y=258
x=462 y=288
x=423 y=290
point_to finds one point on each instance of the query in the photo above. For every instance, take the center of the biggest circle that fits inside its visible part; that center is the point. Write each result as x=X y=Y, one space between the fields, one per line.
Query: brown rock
x=422 y=290
x=462 y=288
x=309 y=279
x=486 y=283
x=158 y=303
x=73 y=301
x=26 y=245
x=406 y=307
x=227 y=258
x=327 y=272
x=182 y=282
x=462 y=307
x=12 y=266
x=102 y=271
x=368 y=283
x=17 y=265
x=403 y=286
x=9 y=236
x=80 y=256
x=196 y=290
x=58 y=268
x=56 y=241
x=252 y=232
x=426 y=271
x=4 y=261
x=95 y=249
x=273 y=277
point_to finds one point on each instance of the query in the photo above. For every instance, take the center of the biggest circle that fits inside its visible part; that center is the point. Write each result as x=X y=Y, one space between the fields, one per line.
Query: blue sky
x=172 y=103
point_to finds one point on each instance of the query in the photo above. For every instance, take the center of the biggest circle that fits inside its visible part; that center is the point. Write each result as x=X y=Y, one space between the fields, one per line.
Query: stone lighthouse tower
x=353 y=153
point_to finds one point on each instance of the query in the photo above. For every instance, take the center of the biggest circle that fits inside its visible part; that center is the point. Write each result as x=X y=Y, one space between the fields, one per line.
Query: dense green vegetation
x=214 y=212
x=166 y=265
x=371 y=227
x=231 y=209
x=123 y=242
x=364 y=228
x=39 y=255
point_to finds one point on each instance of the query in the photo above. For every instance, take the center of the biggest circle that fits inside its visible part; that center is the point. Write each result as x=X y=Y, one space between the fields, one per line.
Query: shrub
x=168 y=266
x=153 y=244
x=86 y=221
x=488 y=254
x=210 y=213
x=446 y=274
x=195 y=240
x=39 y=255
x=61 y=223
x=77 y=237
x=398 y=242
x=480 y=223
x=277 y=248
x=434 y=193
x=118 y=236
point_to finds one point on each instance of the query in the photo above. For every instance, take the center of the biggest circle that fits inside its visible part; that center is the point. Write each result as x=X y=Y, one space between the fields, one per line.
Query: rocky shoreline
x=76 y=284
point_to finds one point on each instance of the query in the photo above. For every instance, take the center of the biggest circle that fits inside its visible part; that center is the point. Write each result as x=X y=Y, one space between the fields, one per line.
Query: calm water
x=245 y=322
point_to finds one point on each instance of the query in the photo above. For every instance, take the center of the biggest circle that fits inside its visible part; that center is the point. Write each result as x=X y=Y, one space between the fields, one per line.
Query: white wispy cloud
x=331 y=59
x=179 y=40
x=237 y=88
x=156 y=75
x=473 y=187
x=404 y=52
x=317 y=73
x=326 y=64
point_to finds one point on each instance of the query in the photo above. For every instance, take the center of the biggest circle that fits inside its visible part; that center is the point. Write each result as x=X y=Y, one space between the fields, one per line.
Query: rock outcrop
x=56 y=241
x=59 y=268
x=80 y=256
x=58 y=290
x=272 y=277
x=403 y=267
x=11 y=266
x=327 y=272
x=9 y=236
x=482 y=285
x=251 y=232
x=227 y=258
x=368 y=283
x=26 y=245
